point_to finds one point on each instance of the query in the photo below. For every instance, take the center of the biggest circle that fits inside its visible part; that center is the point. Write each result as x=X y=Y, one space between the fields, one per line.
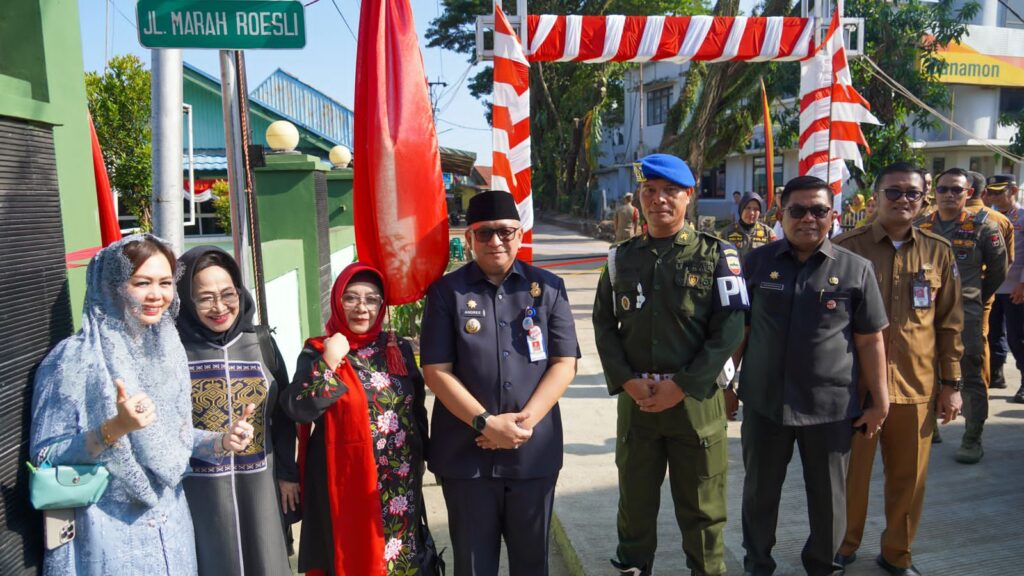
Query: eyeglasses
x=894 y=194
x=954 y=190
x=227 y=298
x=818 y=211
x=991 y=192
x=485 y=234
x=371 y=301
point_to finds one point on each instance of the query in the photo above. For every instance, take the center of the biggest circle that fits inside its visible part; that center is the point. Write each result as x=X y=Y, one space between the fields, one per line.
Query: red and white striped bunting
x=831 y=112
x=511 y=123
x=669 y=38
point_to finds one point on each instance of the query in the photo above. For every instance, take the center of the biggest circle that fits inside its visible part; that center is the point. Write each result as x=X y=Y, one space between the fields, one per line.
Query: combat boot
x=970 y=450
x=998 y=380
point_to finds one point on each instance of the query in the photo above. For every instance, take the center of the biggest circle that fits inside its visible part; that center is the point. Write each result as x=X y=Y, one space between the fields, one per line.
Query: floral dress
x=398 y=427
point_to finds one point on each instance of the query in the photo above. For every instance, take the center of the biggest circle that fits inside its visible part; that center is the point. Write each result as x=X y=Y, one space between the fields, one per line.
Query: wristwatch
x=480 y=421
x=957 y=384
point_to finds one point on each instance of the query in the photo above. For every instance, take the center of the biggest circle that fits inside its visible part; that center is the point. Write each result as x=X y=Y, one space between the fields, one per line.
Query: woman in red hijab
x=362 y=468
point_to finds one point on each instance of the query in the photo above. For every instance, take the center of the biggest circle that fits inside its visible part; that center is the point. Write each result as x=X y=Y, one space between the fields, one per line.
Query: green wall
x=42 y=79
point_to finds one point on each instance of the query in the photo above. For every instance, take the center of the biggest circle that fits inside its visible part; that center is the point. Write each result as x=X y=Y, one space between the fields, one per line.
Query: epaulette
x=851 y=234
x=934 y=236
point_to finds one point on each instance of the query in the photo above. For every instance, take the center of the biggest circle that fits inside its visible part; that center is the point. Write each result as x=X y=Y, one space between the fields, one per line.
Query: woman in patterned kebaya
x=235 y=366
x=362 y=388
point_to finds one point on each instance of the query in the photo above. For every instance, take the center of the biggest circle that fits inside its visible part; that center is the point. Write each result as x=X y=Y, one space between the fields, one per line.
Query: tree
x=222 y=204
x=119 y=101
x=717 y=108
x=903 y=38
x=569 y=101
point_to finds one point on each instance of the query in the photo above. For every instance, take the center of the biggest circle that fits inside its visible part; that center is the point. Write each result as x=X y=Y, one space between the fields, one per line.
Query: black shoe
x=896 y=570
x=998 y=381
x=1018 y=398
x=627 y=570
x=845 y=560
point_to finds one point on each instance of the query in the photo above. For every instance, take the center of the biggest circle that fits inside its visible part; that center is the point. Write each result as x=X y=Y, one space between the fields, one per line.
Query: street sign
x=221 y=24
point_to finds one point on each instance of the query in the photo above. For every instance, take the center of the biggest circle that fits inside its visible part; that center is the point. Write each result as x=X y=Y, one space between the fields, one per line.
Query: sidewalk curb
x=569 y=555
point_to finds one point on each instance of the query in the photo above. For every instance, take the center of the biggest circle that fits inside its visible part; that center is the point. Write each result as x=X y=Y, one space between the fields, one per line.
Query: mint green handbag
x=66 y=486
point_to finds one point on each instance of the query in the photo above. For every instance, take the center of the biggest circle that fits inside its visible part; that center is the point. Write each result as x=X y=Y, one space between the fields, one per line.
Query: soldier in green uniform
x=749 y=232
x=668 y=315
x=977 y=243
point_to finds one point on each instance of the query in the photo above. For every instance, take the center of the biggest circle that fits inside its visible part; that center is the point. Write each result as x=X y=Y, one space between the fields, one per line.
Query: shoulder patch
x=927 y=233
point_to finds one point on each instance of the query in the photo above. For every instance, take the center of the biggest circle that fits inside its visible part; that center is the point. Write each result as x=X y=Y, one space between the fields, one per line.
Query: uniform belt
x=655 y=377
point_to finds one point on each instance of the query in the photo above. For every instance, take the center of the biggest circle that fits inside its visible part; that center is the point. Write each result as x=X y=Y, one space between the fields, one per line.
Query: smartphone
x=58 y=527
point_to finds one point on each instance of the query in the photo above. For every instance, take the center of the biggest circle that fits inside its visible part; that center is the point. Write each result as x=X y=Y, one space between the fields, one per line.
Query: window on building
x=712 y=183
x=1011 y=100
x=657 y=105
x=761 y=174
x=938 y=165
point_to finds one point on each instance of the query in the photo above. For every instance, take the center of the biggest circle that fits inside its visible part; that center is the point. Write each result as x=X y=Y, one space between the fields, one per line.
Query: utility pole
x=434 y=99
x=166 y=118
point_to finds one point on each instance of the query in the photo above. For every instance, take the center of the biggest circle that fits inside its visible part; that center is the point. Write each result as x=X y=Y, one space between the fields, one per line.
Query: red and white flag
x=398 y=192
x=831 y=112
x=511 y=123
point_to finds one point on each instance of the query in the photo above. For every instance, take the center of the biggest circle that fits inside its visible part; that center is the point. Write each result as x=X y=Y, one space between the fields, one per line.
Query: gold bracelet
x=106 y=434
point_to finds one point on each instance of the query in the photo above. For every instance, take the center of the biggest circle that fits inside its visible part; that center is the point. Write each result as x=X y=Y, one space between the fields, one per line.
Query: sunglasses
x=894 y=194
x=485 y=234
x=954 y=190
x=818 y=211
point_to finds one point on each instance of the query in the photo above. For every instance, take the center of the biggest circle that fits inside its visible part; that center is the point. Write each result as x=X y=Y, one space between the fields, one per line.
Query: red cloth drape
x=357 y=526
x=401 y=218
x=110 y=230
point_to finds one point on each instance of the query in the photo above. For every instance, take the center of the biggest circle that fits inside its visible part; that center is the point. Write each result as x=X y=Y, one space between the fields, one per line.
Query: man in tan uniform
x=980 y=253
x=974 y=205
x=626 y=219
x=921 y=291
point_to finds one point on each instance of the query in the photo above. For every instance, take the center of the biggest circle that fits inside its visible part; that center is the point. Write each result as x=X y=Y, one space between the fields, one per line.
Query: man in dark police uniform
x=667 y=316
x=498 y=350
x=814 y=332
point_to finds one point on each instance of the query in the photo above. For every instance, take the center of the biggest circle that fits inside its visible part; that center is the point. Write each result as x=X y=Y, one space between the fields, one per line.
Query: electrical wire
x=454 y=91
x=343 y=19
x=877 y=72
x=449 y=122
x=123 y=15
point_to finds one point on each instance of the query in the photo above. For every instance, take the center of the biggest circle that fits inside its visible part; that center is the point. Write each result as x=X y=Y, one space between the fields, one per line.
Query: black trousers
x=825 y=454
x=483 y=511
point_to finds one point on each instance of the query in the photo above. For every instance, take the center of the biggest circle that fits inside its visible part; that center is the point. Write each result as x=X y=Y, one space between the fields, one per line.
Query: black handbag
x=431 y=563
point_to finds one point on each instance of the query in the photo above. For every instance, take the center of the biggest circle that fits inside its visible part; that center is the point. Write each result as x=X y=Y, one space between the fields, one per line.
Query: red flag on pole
x=110 y=230
x=400 y=214
x=769 y=148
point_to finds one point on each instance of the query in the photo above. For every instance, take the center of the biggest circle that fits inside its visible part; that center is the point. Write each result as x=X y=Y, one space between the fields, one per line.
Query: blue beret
x=666 y=167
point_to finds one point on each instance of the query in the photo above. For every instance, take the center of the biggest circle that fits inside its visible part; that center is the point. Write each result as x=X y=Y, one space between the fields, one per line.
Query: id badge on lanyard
x=921 y=291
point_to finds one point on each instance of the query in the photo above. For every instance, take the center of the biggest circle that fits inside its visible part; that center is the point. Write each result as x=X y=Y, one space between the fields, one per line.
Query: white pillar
x=166 y=119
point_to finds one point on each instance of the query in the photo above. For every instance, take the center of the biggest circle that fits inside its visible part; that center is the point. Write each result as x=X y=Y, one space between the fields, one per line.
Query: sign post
x=221 y=24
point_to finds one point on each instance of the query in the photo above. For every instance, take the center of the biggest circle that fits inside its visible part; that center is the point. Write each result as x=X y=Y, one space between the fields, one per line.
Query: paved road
x=972 y=520
x=973 y=517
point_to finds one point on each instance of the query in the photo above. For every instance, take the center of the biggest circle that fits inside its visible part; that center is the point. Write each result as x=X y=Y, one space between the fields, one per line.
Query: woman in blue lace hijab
x=118 y=393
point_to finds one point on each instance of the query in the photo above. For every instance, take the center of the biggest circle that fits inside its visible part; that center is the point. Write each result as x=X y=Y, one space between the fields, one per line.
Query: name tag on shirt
x=474 y=313
x=535 y=344
x=772 y=286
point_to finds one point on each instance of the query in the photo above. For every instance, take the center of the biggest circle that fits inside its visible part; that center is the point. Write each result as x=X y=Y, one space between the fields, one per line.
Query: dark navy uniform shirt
x=493 y=363
x=799 y=367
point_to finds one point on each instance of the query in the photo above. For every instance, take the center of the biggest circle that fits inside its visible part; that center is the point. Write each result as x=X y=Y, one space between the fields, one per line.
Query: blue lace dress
x=141 y=526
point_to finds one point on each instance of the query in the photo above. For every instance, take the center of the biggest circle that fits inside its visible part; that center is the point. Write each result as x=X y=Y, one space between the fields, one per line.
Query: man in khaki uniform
x=978 y=246
x=921 y=290
x=974 y=205
x=626 y=219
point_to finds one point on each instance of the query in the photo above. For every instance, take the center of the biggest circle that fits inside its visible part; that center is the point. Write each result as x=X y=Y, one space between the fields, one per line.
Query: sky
x=328 y=61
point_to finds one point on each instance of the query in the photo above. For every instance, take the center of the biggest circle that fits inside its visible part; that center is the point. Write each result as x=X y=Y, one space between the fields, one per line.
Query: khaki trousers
x=906 y=439
x=986 y=359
